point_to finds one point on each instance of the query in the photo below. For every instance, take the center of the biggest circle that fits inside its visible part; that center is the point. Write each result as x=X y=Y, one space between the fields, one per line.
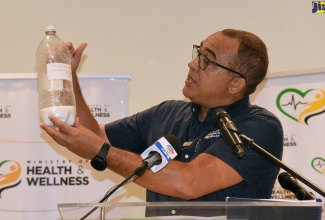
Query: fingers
x=76 y=55
x=60 y=133
x=63 y=127
x=77 y=123
x=78 y=51
x=60 y=126
x=77 y=139
x=68 y=44
x=70 y=47
x=53 y=132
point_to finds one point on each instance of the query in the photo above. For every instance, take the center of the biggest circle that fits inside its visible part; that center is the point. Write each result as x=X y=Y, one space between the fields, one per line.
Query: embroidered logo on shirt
x=213 y=134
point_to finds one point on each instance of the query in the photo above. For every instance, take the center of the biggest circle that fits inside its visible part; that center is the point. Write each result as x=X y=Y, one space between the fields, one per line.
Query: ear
x=237 y=84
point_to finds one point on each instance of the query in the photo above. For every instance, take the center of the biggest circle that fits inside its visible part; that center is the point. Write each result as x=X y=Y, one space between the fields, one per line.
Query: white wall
x=152 y=39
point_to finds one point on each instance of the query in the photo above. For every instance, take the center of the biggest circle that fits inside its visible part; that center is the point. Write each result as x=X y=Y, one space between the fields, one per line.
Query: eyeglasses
x=204 y=61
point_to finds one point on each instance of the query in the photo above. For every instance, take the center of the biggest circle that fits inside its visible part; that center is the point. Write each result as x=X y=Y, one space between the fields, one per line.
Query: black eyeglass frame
x=199 y=54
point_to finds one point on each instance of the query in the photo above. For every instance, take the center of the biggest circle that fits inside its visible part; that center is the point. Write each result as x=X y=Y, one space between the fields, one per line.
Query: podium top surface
x=289 y=203
x=250 y=210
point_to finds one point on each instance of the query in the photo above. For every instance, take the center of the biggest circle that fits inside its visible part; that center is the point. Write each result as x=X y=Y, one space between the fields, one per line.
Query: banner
x=36 y=174
x=299 y=103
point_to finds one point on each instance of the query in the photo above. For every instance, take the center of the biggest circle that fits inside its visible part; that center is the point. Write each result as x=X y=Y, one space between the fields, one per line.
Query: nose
x=194 y=64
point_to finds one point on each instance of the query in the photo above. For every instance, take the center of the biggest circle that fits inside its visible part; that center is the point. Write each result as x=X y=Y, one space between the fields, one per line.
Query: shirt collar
x=232 y=109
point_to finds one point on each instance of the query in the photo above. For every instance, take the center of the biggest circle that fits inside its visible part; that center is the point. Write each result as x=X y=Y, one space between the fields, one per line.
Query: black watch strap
x=99 y=161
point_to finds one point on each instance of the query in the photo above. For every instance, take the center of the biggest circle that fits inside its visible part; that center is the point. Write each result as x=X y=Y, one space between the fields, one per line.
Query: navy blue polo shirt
x=180 y=118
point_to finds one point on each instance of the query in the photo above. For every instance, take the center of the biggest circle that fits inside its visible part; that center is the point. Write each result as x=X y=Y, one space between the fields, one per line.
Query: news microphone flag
x=166 y=151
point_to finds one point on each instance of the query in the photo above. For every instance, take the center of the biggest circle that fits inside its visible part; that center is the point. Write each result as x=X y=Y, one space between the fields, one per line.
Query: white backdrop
x=299 y=103
x=36 y=173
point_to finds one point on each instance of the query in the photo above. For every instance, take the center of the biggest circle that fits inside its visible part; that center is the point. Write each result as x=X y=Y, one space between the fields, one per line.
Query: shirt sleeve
x=131 y=133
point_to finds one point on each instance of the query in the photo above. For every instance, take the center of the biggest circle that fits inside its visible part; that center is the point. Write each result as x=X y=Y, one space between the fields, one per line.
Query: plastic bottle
x=55 y=88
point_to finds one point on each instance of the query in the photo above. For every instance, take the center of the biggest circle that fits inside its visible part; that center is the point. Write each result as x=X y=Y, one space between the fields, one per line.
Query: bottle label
x=59 y=71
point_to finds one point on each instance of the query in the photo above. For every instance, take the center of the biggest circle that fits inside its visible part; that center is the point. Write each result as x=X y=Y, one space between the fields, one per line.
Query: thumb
x=80 y=49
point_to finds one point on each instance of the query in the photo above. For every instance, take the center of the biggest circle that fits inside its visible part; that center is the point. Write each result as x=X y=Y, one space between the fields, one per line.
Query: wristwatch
x=99 y=161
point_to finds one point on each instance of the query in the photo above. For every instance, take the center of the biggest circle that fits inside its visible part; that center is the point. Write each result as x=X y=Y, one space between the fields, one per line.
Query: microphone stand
x=111 y=191
x=251 y=144
x=138 y=172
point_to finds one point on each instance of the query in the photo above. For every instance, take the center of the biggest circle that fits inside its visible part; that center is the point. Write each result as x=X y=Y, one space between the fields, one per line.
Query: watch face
x=98 y=163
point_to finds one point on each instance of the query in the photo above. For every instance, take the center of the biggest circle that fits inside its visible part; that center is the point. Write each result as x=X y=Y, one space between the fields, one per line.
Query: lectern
x=251 y=210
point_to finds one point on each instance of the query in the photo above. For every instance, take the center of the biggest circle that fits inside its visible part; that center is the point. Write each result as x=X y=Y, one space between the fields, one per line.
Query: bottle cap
x=50 y=28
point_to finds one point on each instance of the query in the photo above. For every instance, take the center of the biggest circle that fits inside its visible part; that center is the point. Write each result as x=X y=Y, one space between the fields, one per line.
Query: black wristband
x=99 y=161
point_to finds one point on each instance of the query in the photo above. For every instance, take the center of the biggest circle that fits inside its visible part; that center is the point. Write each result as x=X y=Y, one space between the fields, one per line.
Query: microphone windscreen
x=285 y=180
x=175 y=142
x=217 y=115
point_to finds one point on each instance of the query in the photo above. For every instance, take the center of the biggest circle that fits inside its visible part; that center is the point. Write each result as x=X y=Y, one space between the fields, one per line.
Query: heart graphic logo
x=318 y=164
x=301 y=106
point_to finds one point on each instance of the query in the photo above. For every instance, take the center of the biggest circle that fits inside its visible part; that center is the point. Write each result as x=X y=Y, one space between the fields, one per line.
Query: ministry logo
x=301 y=106
x=10 y=175
x=318 y=164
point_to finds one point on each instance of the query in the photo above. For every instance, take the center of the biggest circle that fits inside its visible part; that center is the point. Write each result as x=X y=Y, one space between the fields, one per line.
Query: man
x=225 y=69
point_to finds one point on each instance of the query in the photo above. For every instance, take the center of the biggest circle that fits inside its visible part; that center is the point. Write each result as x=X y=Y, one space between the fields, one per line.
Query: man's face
x=210 y=87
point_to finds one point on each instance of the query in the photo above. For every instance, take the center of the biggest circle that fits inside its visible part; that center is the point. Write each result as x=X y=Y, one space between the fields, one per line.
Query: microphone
x=229 y=132
x=290 y=183
x=161 y=152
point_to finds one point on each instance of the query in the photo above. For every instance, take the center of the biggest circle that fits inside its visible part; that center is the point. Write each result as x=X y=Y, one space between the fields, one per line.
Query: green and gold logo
x=301 y=106
x=318 y=164
x=10 y=174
